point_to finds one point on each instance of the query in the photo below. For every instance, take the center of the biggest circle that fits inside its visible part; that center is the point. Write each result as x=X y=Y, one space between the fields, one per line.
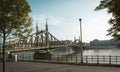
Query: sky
x=63 y=18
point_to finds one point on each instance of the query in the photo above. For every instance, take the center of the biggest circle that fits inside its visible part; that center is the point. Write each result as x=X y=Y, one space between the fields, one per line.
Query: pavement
x=50 y=67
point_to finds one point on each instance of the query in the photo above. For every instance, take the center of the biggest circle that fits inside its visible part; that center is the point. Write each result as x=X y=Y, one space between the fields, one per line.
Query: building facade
x=104 y=43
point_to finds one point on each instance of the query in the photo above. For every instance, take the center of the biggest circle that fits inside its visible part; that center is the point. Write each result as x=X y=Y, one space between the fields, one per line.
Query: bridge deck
x=36 y=48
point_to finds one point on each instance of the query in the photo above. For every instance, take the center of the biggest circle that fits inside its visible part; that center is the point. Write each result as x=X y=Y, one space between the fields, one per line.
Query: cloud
x=54 y=21
x=41 y=18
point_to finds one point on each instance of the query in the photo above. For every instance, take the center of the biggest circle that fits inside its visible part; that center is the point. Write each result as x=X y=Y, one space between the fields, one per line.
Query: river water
x=112 y=52
x=65 y=51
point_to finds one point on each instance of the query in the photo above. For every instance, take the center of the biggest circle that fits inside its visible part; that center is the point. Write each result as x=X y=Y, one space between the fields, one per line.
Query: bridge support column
x=42 y=56
x=11 y=57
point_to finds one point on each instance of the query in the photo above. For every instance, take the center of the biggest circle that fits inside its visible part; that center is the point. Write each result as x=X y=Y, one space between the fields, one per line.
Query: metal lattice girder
x=55 y=39
x=42 y=38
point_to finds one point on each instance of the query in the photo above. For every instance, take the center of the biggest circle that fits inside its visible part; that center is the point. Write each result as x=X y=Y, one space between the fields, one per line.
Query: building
x=104 y=43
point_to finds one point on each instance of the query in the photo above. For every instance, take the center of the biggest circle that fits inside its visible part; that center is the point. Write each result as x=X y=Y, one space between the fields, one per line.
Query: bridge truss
x=39 y=40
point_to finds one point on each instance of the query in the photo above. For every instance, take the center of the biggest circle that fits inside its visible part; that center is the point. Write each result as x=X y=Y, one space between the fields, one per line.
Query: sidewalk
x=49 y=67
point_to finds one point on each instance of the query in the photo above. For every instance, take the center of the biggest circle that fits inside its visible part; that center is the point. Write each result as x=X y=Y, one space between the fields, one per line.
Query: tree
x=14 y=20
x=113 y=7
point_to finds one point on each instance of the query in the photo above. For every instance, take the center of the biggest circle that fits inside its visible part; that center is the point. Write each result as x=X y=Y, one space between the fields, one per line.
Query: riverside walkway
x=49 y=67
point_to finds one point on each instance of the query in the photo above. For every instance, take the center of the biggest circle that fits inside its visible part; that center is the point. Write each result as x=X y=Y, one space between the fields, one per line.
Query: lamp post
x=81 y=47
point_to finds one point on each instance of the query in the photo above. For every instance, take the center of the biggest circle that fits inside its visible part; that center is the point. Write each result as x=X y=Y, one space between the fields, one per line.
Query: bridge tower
x=46 y=25
x=47 y=36
x=46 y=55
x=37 y=37
x=37 y=27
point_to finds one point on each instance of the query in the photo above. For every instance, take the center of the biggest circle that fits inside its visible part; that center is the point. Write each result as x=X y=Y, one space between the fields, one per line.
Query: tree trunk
x=3 y=65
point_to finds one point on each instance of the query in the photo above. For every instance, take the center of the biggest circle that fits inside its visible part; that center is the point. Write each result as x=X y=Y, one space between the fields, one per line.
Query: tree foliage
x=14 y=17
x=14 y=20
x=113 y=7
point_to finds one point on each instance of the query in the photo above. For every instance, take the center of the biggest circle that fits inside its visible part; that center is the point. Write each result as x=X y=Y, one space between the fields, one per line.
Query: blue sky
x=63 y=18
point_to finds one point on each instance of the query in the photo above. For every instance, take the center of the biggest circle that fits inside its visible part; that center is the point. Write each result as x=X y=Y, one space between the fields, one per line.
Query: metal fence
x=98 y=59
x=95 y=59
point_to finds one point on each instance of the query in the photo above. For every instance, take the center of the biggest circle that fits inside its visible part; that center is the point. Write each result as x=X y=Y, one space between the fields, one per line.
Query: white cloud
x=52 y=20
x=41 y=18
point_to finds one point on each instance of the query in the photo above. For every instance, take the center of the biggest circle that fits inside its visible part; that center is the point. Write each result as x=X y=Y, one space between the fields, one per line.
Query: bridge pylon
x=47 y=36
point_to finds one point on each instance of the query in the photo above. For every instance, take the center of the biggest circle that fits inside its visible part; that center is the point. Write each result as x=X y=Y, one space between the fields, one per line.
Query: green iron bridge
x=40 y=40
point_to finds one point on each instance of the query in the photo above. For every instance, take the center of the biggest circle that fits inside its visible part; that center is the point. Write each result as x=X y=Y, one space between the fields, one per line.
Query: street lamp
x=80 y=30
x=81 y=48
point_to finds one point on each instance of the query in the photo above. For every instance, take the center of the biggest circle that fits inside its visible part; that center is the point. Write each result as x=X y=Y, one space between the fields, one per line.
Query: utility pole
x=81 y=47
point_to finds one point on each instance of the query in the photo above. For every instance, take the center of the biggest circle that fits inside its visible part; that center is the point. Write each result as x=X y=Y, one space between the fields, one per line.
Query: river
x=66 y=51
x=112 y=52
